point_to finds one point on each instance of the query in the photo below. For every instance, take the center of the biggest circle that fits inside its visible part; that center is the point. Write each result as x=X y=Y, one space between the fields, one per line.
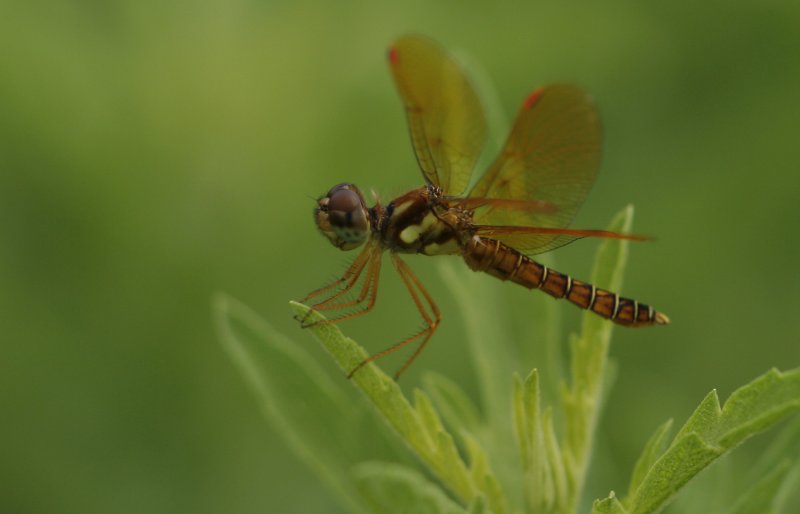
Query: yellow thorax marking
x=403 y=207
x=411 y=233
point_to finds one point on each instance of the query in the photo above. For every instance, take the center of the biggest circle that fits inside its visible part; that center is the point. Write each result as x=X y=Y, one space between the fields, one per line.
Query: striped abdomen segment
x=505 y=263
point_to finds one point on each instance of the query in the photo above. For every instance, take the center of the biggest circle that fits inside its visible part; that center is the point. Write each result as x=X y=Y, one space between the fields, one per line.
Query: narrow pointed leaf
x=652 y=451
x=420 y=428
x=582 y=400
x=484 y=477
x=557 y=479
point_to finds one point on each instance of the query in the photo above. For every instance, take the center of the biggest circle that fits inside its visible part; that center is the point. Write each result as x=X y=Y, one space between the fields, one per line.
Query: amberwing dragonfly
x=520 y=207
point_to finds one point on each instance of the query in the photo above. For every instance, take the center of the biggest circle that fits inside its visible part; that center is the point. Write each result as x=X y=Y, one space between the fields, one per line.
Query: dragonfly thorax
x=420 y=222
x=343 y=217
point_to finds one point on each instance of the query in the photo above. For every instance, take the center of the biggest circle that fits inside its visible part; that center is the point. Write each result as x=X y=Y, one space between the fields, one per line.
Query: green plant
x=466 y=452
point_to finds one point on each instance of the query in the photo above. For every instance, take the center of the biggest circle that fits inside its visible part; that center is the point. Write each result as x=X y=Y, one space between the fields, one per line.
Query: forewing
x=550 y=158
x=445 y=118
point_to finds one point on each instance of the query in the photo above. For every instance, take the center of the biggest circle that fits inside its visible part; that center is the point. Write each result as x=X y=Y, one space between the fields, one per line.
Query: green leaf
x=712 y=431
x=582 y=400
x=749 y=409
x=610 y=505
x=419 y=426
x=416 y=429
x=391 y=488
x=558 y=475
x=652 y=451
x=537 y=478
x=684 y=459
x=428 y=415
x=762 y=497
x=484 y=477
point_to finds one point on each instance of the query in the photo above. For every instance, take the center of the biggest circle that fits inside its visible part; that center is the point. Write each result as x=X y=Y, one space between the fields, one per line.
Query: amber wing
x=550 y=160
x=445 y=117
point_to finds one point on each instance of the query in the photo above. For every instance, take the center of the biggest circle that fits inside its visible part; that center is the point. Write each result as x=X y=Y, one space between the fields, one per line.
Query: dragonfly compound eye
x=343 y=217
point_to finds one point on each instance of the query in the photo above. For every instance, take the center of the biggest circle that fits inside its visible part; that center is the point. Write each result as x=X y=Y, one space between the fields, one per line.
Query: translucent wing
x=551 y=159
x=533 y=240
x=472 y=203
x=445 y=118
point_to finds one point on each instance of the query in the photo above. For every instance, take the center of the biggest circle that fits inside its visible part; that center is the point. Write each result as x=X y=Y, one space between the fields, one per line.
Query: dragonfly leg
x=350 y=276
x=368 y=294
x=430 y=314
x=369 y=258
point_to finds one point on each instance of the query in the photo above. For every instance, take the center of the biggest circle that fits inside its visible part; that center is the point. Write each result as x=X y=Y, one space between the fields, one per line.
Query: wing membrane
x=473 y=203
x=445 y=117
x=534 y=240
x=551 y=157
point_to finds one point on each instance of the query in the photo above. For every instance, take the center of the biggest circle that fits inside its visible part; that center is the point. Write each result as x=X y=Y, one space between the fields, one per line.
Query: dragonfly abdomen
x=501 y=261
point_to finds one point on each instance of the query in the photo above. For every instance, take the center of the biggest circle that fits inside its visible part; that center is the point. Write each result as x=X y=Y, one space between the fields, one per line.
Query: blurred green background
x=152 y=153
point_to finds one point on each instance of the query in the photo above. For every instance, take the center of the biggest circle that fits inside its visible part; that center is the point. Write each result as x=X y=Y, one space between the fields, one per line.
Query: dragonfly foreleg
x=369 y=259
x=430 y=314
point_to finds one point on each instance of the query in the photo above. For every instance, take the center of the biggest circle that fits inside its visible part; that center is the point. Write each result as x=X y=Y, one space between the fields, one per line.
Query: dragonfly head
x=343 y=217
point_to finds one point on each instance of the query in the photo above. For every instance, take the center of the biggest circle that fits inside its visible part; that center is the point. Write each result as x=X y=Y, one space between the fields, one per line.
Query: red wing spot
x=393 y=55
x=532 y=98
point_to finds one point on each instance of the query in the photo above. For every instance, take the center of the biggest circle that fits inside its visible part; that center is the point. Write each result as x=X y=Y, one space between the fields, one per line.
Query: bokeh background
x=153 y=153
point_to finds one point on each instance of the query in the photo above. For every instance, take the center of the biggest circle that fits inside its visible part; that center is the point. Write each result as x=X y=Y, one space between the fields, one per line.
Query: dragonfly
x=520 y=207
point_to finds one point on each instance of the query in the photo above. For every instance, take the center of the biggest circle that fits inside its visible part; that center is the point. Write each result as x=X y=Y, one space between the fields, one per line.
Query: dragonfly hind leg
x=431 y=315
x=369 y=259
